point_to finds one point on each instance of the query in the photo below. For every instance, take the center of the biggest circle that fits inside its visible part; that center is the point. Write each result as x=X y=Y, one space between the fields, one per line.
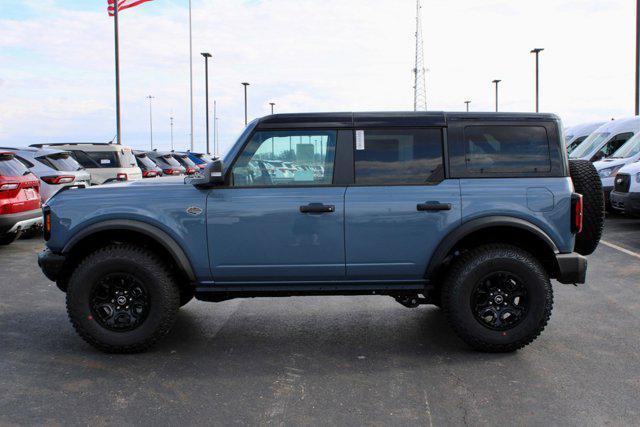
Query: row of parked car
x=614 y=149
x=31 y=175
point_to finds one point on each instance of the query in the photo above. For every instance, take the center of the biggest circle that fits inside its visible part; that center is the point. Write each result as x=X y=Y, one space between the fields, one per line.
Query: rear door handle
x=434 y=206
x=317 y=208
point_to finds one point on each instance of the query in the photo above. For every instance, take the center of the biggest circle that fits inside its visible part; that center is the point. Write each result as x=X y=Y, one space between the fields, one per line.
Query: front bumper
x=51 y=263
x=10 y=223
x=626 y=202
x=572 y=268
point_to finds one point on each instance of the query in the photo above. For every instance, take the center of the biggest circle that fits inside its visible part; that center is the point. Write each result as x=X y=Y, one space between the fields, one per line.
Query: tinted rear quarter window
x=506 y=149
x=10 y=166
x=400 y=156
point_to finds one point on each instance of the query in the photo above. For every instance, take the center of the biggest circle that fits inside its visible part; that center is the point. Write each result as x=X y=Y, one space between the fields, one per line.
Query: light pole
x=150 y=120
x=171 y=124
x=245 y=84
x=467 y=102
x=191 y=75
x=215 y=128
x=537 y=53
x=637 y=57
x=273 y=103
x=496 y=83
x=206 y=88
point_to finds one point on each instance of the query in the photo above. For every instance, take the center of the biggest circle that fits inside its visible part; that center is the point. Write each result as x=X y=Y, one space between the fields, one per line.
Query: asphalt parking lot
x=327 y=361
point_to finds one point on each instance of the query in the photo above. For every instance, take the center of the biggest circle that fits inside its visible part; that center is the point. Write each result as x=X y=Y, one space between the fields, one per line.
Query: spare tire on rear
x=587 y=182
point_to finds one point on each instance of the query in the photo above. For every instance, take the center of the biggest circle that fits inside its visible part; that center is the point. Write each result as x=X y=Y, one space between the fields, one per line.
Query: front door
x=401 y=205
x=281 y=219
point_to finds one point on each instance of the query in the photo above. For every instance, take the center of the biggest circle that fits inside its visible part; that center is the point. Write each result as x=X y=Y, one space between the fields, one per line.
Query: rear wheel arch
x=126 y=231
x=495 y=229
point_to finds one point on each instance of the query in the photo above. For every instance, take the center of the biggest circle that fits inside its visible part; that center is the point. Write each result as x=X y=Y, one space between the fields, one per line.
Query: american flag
x=123 y=4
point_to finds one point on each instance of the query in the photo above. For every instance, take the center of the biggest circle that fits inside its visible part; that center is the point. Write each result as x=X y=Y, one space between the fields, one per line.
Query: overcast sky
x=57 y=63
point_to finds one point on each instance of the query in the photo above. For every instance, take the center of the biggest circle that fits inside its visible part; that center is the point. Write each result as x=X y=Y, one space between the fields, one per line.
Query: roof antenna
x=114 y=138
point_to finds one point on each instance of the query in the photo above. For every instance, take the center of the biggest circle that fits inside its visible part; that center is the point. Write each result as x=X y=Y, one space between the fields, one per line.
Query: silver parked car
x=55 y=169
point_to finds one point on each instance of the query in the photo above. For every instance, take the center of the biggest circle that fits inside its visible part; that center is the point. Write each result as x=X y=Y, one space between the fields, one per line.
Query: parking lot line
x=621 y=249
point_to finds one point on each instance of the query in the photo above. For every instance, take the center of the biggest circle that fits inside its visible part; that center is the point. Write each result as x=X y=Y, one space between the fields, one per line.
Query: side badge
x=194 y=210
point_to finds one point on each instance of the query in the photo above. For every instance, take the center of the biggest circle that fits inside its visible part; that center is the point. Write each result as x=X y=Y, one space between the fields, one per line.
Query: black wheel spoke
x=119 y=302
x=499 y=301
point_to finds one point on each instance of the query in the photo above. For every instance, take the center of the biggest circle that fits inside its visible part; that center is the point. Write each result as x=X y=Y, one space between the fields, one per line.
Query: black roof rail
x=57 y=144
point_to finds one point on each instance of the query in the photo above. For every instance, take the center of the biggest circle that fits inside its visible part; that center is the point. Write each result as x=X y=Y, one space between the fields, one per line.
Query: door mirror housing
x=212 y=174
x=598 y=156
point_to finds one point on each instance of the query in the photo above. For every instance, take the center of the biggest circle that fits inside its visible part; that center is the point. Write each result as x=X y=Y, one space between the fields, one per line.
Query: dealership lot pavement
x=337 y=360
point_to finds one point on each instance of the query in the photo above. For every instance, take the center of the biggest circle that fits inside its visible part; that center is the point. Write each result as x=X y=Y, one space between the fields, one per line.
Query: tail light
x=168 y=171
x=46 y=211
x=9 y=186
x=576 y=213
x=61 y=179
x=202 y=165
x=122 y=177
x=149 y=174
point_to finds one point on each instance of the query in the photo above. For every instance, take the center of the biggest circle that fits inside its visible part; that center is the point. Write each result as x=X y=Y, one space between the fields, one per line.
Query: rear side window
x=10 y=166
x=506 y=149
x=398 y=156
x=60 y=162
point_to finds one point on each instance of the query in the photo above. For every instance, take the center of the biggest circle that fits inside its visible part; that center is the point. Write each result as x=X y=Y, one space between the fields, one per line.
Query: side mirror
x=212 y=174
x=598 y=156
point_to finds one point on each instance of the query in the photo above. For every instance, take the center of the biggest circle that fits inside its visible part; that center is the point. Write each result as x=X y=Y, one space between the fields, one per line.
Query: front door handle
x=317 y=208
x=434 y=206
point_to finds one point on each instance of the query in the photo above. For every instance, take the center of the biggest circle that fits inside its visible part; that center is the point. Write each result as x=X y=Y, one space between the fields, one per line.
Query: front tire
x=122 y=299
x=497 y=298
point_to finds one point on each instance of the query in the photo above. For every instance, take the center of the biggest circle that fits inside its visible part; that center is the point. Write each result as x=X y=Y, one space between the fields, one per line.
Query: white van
x=105 y=162
x=574 y=135
x=609 y=167
x=605 y=140
x=625 y=196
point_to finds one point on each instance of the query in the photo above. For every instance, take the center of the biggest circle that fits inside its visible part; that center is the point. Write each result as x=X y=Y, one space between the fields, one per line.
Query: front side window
x=507 y=149
x=274 y=158
x=575 y=144
x=399 y=156
x=588 y=145
x=629 y=149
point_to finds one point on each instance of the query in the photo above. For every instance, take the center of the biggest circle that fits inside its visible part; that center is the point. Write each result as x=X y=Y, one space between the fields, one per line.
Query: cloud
x=306 y=56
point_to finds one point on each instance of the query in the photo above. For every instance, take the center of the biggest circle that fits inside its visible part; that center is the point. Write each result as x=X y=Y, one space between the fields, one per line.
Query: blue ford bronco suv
x=474 y=213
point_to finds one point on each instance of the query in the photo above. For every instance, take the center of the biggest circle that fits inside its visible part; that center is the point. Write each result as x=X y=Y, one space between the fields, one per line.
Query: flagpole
x=191 y=75
x=115 y=24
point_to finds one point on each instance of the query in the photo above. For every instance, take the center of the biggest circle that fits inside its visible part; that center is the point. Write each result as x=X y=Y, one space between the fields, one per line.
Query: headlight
x=607 y=172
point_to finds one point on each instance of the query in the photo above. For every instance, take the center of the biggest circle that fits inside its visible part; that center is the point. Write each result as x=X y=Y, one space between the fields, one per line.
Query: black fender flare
x=174 y=249
x=450 y=241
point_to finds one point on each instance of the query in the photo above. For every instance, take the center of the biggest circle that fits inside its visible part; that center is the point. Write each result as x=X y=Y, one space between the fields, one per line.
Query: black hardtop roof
x=391 y=118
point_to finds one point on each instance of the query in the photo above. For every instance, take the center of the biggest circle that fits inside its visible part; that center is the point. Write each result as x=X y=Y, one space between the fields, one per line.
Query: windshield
x=629 y=149
x=204 y=157
x=60 y=162
x=168 y=160
x=145 y=162
x=127 y=158
x=591 y=143
x=185 y=160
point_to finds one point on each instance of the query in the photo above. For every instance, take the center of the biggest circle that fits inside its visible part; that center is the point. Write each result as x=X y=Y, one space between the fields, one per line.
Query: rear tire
x=137 y=277
x=9 y=238
x=497 y=298
x=587 y=182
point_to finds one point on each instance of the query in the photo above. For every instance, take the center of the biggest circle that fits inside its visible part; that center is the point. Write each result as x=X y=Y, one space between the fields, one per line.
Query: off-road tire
x=164 y=296
x=465 y=274
x=9 y=238
x=587 y=182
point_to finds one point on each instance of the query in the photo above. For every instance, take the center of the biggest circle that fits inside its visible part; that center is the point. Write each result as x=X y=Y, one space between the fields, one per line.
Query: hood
x=631 y=168
x=610 y=163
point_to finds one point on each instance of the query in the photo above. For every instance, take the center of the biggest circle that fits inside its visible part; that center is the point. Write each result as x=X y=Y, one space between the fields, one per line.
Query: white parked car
x=625 y=196
x=281 y=172
x=605 y=140
x=56 y=169
x=104 y=161
x=574 y=135
x=609 y=167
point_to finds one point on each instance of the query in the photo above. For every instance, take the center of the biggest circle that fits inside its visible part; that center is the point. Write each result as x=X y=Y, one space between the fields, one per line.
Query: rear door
x=400 y=206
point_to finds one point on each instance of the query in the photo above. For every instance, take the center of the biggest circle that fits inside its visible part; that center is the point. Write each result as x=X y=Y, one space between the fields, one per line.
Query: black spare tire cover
x=587 y=182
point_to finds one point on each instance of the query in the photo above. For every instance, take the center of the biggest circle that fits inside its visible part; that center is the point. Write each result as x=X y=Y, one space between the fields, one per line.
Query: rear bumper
x=10 y=223
x=572 y=268
x=51 y=263
x=627 y=202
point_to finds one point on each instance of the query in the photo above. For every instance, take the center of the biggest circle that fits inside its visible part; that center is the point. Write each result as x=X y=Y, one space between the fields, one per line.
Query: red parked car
x=19 y=199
